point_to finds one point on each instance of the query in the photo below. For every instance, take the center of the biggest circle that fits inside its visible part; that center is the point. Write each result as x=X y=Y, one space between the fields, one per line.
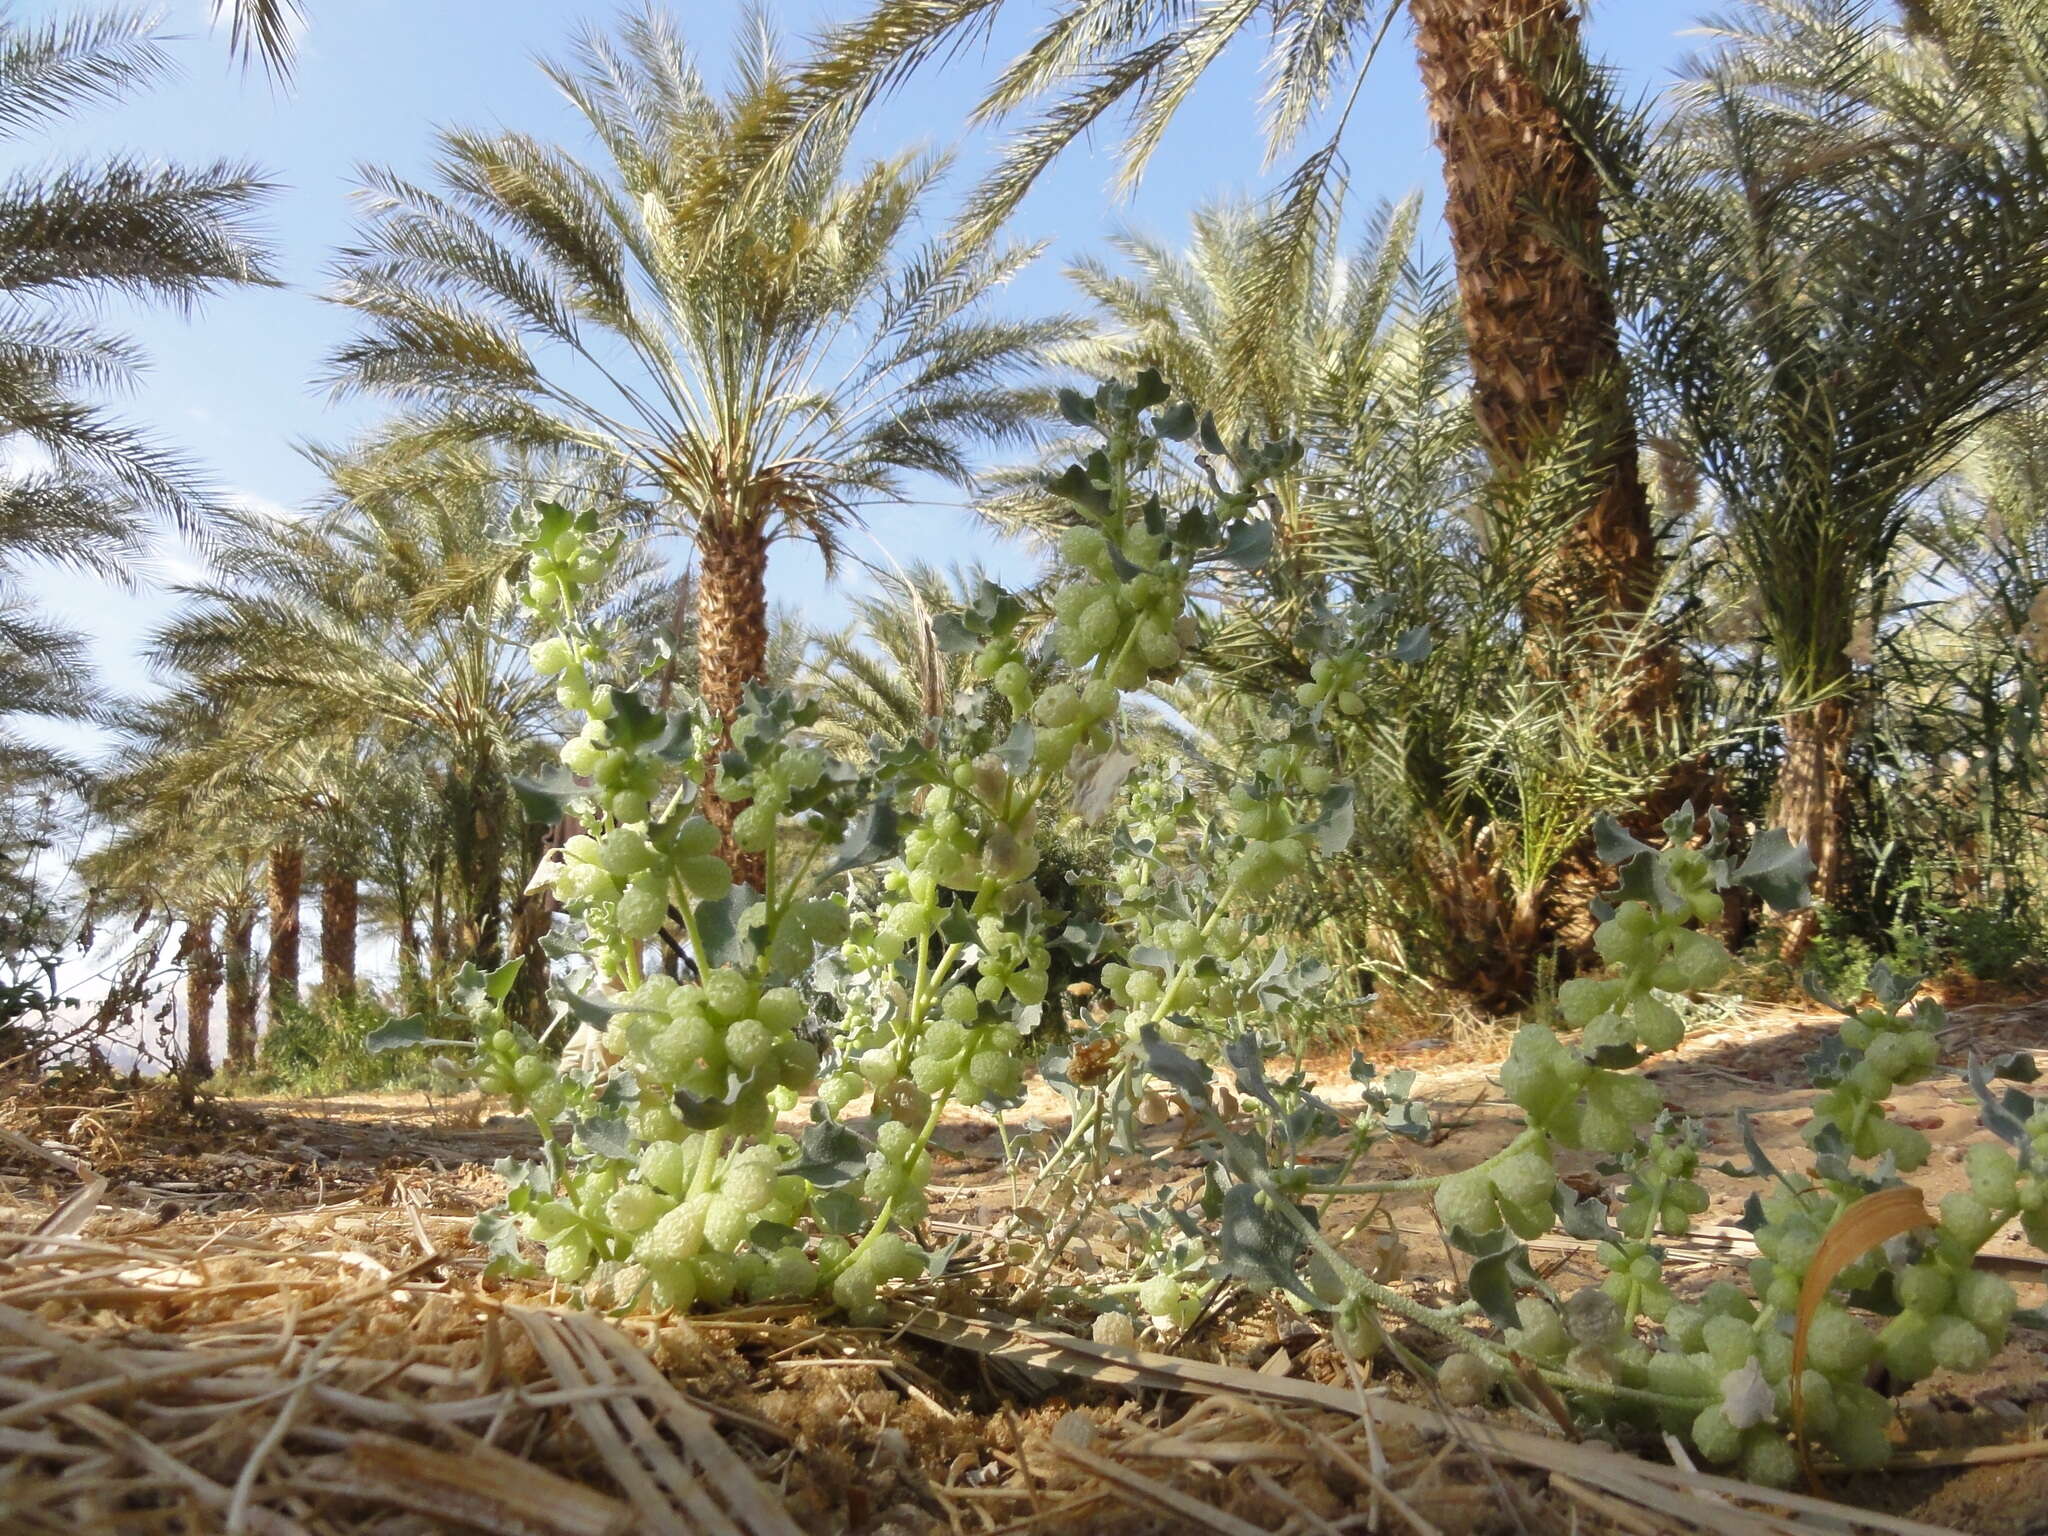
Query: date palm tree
x=388 y=626
x=763 y=352
x=1548 y=376
x=1834 y=257
x=80 y=488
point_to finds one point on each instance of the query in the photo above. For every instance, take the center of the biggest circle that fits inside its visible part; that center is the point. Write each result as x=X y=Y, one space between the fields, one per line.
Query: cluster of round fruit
x=1334 y=683
x=767 y=788
x=620 y=883
x=1514 y=1188
x=962 y=1052
x=699 y=1037
x=1577 y=1103
x=1273 y=847
x=562 y=561
x=569 y=662
x=1589 y=1337
x=859 y=1273
x=1889 y=1049
x=1137 y=625
x=1663 y=1196
x=689 y=1216
x=507 y=1068
x=625 y=775
x=2005 y=1188
x=1726 y=1348
x=1952 y=1315
x=1635 y=1278
x=1067 y=714
x=1654 y=951
x=958 y=846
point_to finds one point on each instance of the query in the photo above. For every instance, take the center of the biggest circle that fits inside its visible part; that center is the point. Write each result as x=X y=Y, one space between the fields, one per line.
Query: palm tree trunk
x=532 y=914
x=202 y=981
x=285 y=877
x=412 y=989
x=1812 y=798
x=1540 y=323
x=732 y=645
x=238 y=944
x=340 y=911
x=479 y=791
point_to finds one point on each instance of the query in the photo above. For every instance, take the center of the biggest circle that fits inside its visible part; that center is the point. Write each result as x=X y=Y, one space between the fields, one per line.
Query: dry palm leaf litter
x=213 y=1319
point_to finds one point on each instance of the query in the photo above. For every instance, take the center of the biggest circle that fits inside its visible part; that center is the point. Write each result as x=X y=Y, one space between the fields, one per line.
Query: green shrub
x=320 y=1049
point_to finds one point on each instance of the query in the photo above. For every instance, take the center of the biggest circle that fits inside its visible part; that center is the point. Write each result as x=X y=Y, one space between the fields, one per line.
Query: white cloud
x=262 y=506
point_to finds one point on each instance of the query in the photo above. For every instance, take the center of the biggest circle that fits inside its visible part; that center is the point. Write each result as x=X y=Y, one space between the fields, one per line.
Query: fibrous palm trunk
x=532 y=914
x=202 y=982
x=479 y=792
x=238 y=948
x=1548 y=384
x=732 y=644
x=285 y=876
x=340 y=907
x=1812 y=797
x=1540 y=323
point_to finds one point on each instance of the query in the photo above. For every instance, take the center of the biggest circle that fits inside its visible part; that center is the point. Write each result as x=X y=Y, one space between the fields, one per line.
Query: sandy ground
x=234 y=1165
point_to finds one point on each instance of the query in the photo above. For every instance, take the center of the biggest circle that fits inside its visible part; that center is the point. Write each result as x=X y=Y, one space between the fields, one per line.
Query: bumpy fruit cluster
x=1729 y=1345
x=699 y=1038
x=693 y=1208
x=1274 y=845
x=1663 y=1196
x=1133 y=627
x=564 y=557
x=1653 y=951
x=1335 y=683
x=1953 y=1317
x=623 y=770
x=507 y=1068
x=1885 y=1050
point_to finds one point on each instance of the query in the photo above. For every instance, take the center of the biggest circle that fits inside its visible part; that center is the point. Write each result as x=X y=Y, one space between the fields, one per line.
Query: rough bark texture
x=732 y=646
x=1812 y=792
x=285 y=878
x=340 y=907
x=480 y=792
x=238 y=934
x=202 y=983
x=532 y=913
x=1540 y=325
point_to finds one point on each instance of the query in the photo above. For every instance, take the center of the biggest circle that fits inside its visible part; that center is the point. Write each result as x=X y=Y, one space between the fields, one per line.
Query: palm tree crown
x=763 y=352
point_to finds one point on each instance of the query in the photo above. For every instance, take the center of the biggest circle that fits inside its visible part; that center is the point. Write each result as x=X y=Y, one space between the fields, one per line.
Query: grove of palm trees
x=908 y=766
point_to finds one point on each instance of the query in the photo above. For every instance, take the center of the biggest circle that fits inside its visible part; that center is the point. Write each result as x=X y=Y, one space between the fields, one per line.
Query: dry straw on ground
x=182 y=1354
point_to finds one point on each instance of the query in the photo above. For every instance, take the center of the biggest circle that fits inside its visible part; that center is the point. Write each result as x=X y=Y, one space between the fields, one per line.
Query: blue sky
x=234 y=387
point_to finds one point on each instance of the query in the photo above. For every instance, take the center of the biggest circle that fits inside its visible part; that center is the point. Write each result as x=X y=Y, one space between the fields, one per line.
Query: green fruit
x=1837 y=1344
x=1467 y=1200
x=1714 y=1437
x=1994 y=1177
x=1987 y=1300
x=1768 y=1459
x=1957 y=1344
x=705 y=876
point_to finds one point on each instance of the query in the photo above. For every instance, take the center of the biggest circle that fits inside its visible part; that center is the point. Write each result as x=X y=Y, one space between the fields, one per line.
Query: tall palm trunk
x=340 y=912
x=1812 y=807
x=202 y=982
x=479 y=792
x=1540 y=323
x=238 y=946
x=285 y=878
x=532 y=913
x=732 y=644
